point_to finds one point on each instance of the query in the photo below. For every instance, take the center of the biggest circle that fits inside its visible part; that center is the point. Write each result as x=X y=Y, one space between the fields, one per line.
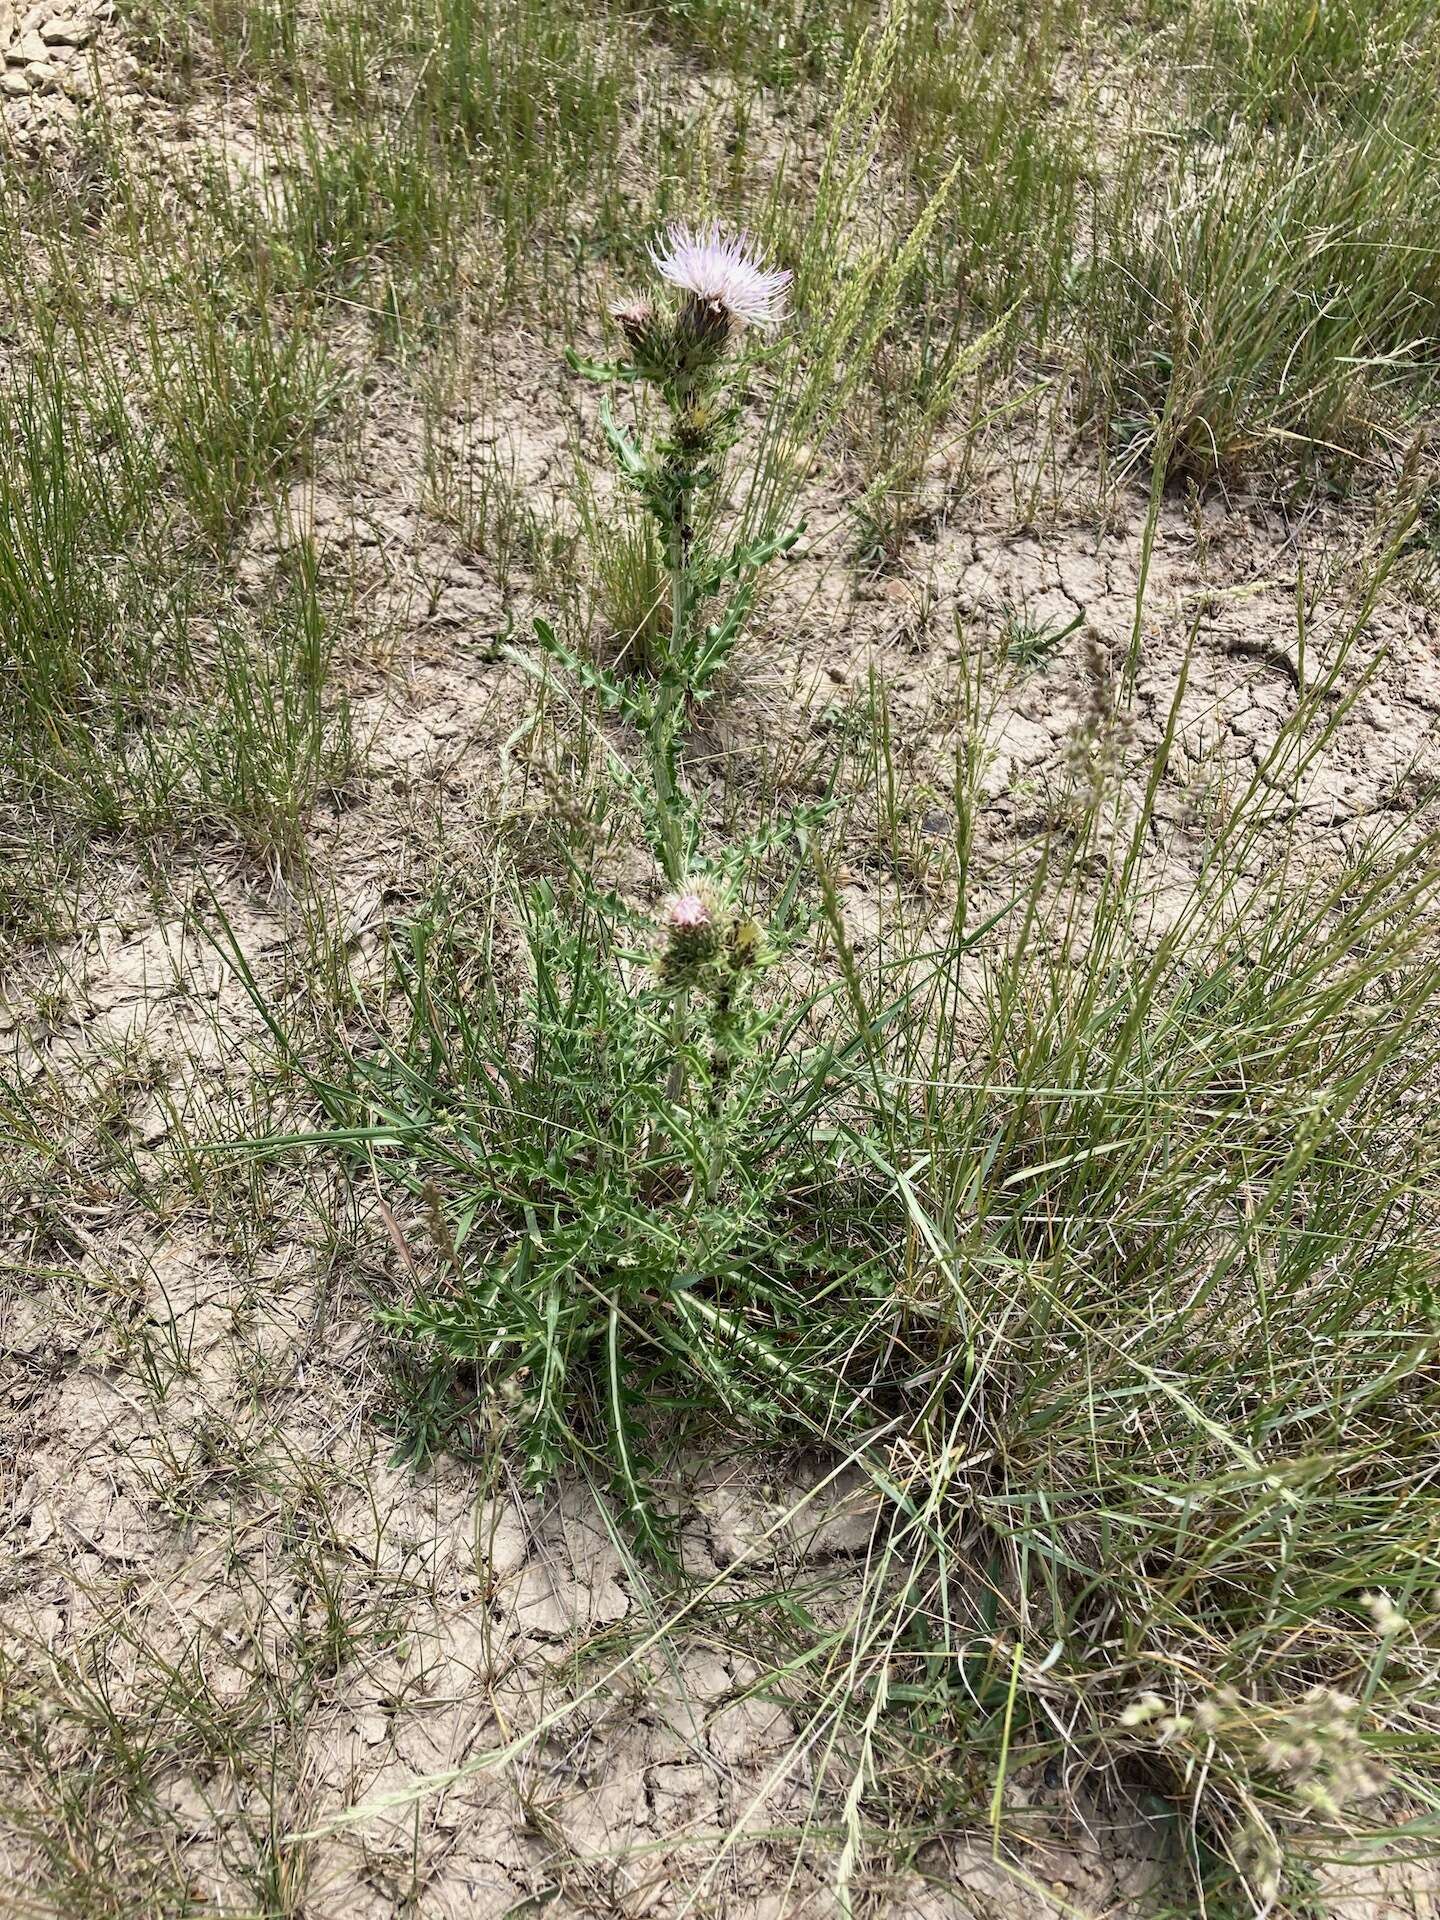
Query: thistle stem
x=675 y=1078
x=662 y=745
x=678 y=543
x=679 y=557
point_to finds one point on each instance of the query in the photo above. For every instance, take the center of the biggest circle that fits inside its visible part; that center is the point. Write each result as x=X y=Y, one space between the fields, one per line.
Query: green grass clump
x=116 y=711
x=237 y=401
x=1289 y=60
x=1281 y=306
x=91 y=615
x=273 y=737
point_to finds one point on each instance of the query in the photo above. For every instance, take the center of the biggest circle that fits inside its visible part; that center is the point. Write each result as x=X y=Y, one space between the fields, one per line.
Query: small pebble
x=65 y=32
x=14 y=84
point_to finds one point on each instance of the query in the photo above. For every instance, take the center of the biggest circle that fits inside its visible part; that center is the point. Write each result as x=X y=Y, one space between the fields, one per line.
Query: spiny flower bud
x=703 y=331
x=647 y=335
x=691 y=917
x=747 y=943
x=693 y=928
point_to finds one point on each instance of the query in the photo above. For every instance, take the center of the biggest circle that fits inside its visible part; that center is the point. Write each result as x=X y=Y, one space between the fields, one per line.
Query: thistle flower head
x=723 y=275
x=693 y=925
x=689 y=913
x=646 y=334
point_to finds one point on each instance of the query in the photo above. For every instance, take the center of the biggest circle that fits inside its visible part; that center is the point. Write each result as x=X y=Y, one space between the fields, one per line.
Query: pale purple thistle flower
x=692 y=925
x=689 y=913
x=723 y=270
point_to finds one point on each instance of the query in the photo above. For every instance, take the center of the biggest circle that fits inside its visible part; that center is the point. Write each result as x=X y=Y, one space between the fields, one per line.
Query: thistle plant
x=708 y=958
x=684 y=345
x=621 y=1245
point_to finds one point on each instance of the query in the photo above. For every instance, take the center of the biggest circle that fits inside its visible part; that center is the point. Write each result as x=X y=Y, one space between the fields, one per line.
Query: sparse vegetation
x=719 y=1044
